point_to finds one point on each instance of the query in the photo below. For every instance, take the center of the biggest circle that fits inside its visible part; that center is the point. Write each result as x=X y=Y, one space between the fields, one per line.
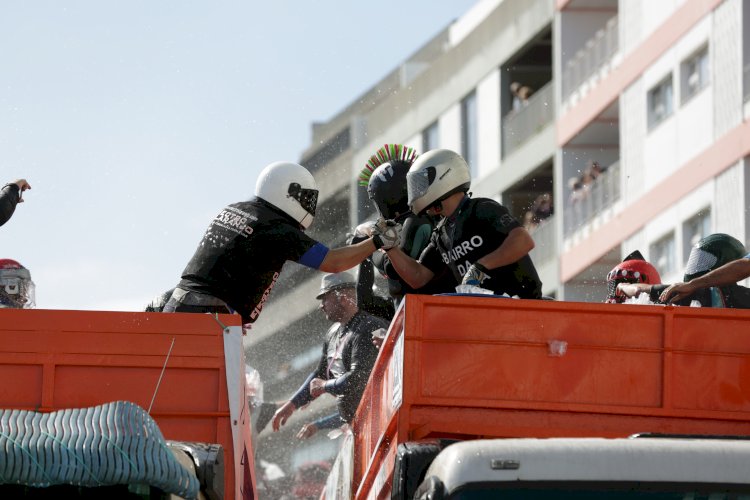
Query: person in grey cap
x=347 y=358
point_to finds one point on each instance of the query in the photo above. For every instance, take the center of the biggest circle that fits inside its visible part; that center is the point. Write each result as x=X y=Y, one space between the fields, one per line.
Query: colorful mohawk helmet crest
x=384 y=176
x=712 y=252
x=633 y=269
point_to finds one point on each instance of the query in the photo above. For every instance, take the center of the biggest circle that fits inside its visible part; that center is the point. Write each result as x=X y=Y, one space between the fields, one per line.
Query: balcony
x=597 y=51
x=591 y=200
x=522 y=124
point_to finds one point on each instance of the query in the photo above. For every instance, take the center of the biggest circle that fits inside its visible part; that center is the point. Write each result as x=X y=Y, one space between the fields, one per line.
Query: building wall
x=688 y=151
x=436 y=93
x=689 y=130
x=727 y=66
x=692 y=129
x=729 y=210
x=488 y=105
x=633 y=165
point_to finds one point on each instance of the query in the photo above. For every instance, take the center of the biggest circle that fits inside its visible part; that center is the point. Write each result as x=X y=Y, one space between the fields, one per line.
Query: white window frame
x=701 y=220
x=656 y=251
x=431 y=132
x=660 y=102
x=695 y=74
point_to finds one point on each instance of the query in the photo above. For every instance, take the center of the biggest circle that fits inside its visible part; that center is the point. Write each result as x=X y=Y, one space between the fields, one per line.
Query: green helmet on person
x=712 y=252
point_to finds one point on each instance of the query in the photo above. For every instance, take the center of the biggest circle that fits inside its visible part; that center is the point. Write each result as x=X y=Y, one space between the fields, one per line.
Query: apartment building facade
x=654 y=93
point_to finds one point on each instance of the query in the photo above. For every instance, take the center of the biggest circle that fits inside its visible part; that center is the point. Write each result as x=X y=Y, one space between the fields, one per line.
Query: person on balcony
x=347 y=359
x=542 y=207
x=520 y=94
x=530 y=222
x=476 y=242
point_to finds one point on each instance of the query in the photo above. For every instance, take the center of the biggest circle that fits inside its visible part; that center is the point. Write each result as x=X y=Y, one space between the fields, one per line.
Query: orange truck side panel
x=487 y=367
x=51 y=360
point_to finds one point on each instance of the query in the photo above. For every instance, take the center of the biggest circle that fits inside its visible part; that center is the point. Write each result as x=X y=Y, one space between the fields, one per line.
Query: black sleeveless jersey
x=241 y=255
x=478 y=227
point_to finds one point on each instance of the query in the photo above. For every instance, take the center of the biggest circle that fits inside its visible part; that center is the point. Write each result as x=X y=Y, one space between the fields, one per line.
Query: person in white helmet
x=477 y=240
x=242 y=252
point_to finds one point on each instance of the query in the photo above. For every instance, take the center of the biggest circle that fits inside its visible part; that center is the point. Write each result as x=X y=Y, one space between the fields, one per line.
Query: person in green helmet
x=706 y=258
x=724 y=277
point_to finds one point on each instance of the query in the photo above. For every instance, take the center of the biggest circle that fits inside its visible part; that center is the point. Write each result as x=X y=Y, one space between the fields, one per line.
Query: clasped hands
x=386 y=232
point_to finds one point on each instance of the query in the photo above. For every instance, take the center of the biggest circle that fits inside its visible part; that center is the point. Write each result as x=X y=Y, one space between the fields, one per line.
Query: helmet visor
x=308 y=198
x=16 y=288
x=612 y=296
x=699 y=262
x=617 y=276
x=417 y=184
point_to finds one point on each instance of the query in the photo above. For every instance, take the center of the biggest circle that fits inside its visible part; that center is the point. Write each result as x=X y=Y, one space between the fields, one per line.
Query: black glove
x=475 y=275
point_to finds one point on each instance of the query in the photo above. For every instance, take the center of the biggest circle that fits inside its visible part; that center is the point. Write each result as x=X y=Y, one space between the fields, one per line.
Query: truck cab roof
x=674 y=461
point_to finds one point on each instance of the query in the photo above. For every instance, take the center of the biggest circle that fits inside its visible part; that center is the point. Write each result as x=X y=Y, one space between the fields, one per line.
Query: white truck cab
x=589 y=468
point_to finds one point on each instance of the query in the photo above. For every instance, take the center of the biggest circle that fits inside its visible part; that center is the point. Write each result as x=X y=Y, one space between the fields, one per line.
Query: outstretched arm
x=729 y=273
x=341 y=259
x=385 y=235
x=632 y=289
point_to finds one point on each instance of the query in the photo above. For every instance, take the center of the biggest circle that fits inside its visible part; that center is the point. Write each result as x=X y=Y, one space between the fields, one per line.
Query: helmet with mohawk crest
x=384 y=176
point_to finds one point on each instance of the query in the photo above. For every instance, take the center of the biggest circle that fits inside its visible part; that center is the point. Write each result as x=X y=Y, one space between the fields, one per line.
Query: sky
x=136 y=122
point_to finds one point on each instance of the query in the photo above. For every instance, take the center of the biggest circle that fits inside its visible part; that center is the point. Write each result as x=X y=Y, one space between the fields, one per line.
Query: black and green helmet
x=712 y=252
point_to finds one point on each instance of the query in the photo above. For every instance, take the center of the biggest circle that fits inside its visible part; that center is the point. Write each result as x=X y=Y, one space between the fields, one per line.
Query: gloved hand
x=386 y=234
x=361 y=232
x=365 y=229
x=475 y=275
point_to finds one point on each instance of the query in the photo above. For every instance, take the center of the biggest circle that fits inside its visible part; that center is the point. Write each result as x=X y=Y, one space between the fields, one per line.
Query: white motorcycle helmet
x=291 y=188
x=434 y=176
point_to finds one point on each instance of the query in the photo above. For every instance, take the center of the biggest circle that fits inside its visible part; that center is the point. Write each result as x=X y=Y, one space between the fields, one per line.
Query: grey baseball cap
x=336 y=281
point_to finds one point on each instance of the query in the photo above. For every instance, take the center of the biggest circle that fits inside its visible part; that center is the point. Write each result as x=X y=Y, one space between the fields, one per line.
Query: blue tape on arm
x=314 y=257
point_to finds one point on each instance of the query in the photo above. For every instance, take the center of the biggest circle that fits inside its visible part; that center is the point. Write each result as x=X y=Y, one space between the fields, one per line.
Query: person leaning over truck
x=242 y=252
x=727 y=275
x=707 y=255
x=11 y=195
x=477 y=240
x=347 y=358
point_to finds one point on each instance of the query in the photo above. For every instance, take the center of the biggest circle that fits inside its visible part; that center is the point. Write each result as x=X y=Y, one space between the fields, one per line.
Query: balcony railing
x=593 y=199
x=598 y=50
x=522 y=124
x=545 y=243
